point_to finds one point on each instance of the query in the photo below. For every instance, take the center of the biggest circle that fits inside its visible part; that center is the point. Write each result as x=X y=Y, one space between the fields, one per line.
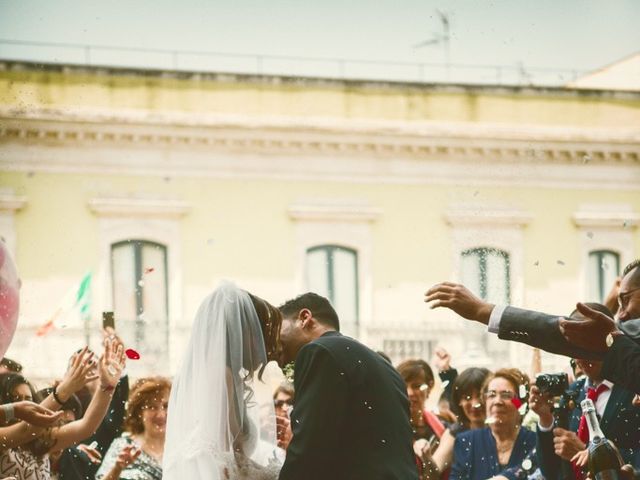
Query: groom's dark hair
x=320 y=307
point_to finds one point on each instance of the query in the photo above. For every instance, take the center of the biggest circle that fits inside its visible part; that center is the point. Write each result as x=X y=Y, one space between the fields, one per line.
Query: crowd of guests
x=502 y=424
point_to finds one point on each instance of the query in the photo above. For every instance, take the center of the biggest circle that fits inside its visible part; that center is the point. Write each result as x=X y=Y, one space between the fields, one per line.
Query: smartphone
x=108 y=320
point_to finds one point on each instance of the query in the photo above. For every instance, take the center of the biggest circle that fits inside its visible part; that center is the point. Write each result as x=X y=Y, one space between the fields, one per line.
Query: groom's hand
x=284 y=433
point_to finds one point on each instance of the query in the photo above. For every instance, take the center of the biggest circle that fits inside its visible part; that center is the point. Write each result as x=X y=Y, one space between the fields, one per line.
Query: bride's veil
x=215 y=415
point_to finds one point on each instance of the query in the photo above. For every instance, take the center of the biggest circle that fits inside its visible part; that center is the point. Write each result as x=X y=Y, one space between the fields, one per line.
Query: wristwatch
x=611 y=336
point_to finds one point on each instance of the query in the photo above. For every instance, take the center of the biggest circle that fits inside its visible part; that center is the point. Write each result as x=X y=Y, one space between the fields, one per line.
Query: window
x=332 y=272
x=140 y=300
x=486 y=271
x=604 y=268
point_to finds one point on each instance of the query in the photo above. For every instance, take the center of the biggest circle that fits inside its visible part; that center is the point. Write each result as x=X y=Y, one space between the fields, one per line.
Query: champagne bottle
x=604 y=458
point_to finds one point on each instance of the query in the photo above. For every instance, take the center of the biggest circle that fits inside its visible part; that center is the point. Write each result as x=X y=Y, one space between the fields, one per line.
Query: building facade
x=160 y=184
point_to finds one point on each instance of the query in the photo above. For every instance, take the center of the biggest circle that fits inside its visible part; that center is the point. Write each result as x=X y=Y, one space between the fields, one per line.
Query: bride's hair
x=270 y=322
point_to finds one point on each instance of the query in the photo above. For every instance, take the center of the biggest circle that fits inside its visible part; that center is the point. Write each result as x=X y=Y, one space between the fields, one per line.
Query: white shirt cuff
x=494 y=319
x=545 y=429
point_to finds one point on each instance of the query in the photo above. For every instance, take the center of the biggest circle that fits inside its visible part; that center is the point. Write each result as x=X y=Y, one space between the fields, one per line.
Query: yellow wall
x=337 y=100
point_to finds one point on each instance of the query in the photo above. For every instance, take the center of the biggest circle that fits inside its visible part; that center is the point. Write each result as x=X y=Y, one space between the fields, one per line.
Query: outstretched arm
x=459 y=299
x=109 y=370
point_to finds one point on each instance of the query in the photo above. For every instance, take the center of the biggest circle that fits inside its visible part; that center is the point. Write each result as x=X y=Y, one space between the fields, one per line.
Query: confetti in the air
x=132 y=354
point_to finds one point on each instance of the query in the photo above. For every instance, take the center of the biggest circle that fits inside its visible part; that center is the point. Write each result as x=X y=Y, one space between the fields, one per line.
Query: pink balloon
x=9 y=298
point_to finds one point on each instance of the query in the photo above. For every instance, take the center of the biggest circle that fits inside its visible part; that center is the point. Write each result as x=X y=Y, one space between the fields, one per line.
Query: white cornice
x=138 y=207
x=609 y=220
x=333 y=211
x=461 y=215
x=179 y=145
x=11 y=203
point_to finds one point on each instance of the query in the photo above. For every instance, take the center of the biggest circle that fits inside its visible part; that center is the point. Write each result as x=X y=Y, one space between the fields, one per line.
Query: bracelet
x=55 y=396
x=107 y=389
x=9 y=413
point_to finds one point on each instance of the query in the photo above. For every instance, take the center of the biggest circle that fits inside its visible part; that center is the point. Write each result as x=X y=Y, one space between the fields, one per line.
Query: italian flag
x=74 y=308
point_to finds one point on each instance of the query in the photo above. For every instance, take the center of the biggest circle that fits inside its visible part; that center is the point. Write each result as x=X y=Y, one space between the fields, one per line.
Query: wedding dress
x=219 y=427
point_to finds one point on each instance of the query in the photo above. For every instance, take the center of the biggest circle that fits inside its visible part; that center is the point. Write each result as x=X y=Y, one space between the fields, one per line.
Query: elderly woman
x=137 y=454
x=499 y=449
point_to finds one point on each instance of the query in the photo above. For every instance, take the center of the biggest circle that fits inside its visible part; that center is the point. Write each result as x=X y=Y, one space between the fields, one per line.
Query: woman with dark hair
x=468 y=406
x=25 y=451
x=221 y=421
x=427 y=427
x=138 y=452
x=499 y=449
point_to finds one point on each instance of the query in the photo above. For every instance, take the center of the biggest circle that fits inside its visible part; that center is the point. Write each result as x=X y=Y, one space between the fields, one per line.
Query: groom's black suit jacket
x=621 y=363
x=351 y=415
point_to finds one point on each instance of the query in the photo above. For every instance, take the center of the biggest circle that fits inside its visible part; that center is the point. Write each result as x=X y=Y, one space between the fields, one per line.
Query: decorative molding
x=609 y=220
x=138 y=207
x=11 y=203
x=328 y=212
x=473 y=215
x=520 y=144
x=437 y=153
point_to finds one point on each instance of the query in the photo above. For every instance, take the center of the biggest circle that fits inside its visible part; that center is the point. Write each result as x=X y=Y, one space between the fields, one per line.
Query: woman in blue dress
x=502 y=449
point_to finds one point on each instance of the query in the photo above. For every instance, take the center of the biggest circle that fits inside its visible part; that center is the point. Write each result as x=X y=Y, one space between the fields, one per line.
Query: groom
x=351 y=414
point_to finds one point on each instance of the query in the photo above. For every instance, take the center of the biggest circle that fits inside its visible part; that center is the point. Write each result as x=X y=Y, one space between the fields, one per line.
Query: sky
x=563 y=35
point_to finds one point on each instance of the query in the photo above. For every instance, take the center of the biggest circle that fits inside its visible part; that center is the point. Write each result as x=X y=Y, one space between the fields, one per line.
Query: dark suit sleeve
x=461 y=468
x=448 y=376
x=548 y=461
x=318 y=416
x=622 y=364
x=111 y=426
x=539 y=330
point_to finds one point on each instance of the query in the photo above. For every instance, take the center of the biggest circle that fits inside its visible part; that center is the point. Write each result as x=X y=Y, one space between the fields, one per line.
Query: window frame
x=138 y=246
x=330 y=249
x=601 y=252
x=482 y=255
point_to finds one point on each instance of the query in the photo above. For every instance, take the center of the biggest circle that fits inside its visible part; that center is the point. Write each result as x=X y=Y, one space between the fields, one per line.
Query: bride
x=218 y=426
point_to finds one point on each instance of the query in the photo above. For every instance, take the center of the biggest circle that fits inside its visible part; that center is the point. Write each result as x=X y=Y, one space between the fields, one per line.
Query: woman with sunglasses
x=501 y=448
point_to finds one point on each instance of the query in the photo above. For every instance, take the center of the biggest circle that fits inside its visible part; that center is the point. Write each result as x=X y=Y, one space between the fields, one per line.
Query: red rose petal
x=516 y=402
x=132 y=354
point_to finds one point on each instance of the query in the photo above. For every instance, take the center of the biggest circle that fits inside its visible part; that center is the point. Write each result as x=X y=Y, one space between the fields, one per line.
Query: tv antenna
x=441 y=38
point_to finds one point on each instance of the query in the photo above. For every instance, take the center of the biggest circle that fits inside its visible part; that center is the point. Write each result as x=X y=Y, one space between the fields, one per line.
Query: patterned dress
x=145 y=466
x=24 y=465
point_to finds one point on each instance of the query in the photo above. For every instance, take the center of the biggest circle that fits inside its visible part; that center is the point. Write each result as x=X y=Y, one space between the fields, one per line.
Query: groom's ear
x=305 y=315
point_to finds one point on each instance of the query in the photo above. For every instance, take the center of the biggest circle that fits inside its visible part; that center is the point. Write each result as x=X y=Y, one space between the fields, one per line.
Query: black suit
x=621 y=362
x=351 y=415
x=620 y=423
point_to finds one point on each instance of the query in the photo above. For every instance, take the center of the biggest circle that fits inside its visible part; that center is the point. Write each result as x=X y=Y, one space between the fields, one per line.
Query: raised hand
x=127 y=456
x=590 y=333
x=459 y=299
x=111 y=364
x=442 y=359
x=35 y=414
x=80 y=372
x=542 y=404
x=90 y=451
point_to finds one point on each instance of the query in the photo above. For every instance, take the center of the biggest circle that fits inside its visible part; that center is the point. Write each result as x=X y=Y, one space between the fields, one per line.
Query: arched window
x=486 y=272
x=332 y=271
x=140 y=294
x=604 y=268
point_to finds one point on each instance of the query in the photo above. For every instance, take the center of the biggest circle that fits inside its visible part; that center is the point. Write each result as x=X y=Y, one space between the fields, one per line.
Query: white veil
x=215 y=418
